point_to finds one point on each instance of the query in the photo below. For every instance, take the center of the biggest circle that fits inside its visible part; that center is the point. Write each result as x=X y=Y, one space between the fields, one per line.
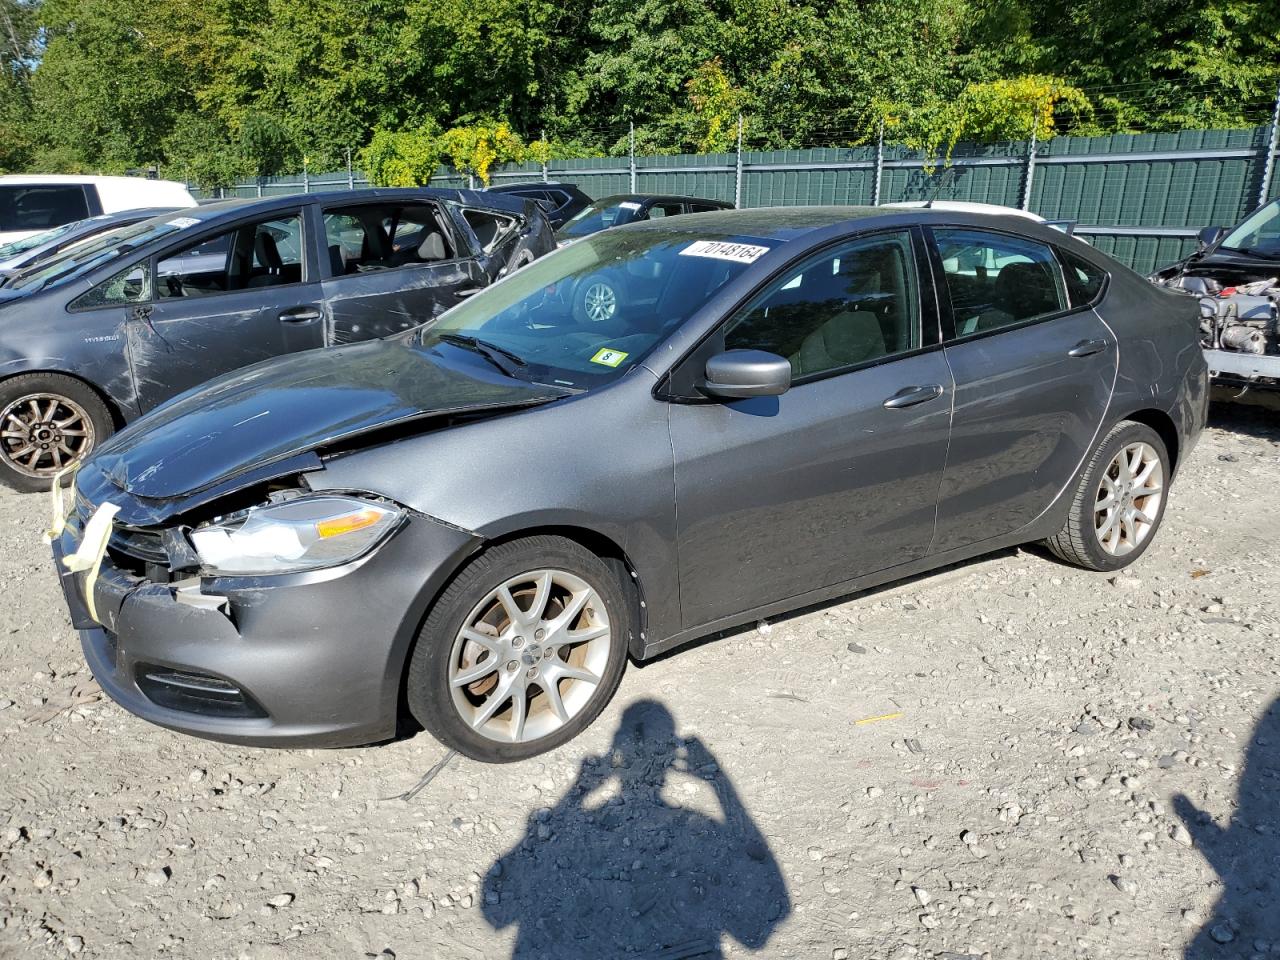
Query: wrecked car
x=1235 y=273
x=485 y=517
x=96 y=337
x=560 y=201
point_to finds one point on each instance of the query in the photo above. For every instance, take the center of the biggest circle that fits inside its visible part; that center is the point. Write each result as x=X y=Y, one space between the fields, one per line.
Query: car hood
x=1225 y=266
x=274 y=411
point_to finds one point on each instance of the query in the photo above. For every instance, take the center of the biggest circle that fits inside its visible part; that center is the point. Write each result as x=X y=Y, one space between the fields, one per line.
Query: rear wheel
x=521 y=652
x=1120 y=502
x=47 y=423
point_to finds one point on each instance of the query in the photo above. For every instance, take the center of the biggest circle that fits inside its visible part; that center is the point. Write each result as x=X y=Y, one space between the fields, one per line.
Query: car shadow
x=619 y=867
x=1255 y=413
x=892 y=586
x=1245 y=853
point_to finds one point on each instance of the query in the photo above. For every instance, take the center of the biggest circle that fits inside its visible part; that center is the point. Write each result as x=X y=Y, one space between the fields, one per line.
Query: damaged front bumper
x=311 y=659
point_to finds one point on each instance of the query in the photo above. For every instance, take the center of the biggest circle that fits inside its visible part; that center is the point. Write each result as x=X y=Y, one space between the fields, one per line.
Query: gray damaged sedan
x=483 y=518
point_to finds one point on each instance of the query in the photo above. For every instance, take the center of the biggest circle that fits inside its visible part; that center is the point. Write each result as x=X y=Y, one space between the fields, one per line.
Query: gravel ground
x=1009 y=759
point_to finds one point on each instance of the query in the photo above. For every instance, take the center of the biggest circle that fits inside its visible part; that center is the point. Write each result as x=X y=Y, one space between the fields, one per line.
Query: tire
x=465 y=693
x=1099 y=538
x=66 y=423
x=597 y=299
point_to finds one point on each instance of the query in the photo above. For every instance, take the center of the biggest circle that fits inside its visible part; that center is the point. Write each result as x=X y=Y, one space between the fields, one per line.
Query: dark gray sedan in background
x=116 y=325
x=484 y=517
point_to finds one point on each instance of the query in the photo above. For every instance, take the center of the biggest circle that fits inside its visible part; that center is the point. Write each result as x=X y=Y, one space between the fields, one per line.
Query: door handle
x=141 y=313
x=910 y=396
x=1087 y=348
x=300 y=315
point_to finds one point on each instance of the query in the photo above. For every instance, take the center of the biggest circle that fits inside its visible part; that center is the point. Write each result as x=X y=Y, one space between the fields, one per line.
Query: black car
x=18 y=256
x=632 y=208
x=559 y=201
x=92 y=339
x=1231 y=256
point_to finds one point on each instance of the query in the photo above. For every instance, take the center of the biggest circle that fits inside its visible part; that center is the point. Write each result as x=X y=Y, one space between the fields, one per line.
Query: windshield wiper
x=505 y=360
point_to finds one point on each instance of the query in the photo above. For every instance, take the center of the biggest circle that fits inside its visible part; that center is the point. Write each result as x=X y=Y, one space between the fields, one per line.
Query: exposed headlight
x=294 y=535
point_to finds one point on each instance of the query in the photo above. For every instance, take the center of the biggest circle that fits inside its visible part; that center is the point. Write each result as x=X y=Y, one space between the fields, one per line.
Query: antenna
x=942 y=179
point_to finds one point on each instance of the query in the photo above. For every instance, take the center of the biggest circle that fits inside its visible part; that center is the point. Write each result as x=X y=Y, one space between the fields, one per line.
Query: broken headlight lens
x=305 y=533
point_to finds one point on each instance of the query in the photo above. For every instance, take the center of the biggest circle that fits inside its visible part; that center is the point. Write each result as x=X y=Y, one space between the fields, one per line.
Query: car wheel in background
x=597 y=299
x=521 y=651
x=1120 y=502
x=47 y=422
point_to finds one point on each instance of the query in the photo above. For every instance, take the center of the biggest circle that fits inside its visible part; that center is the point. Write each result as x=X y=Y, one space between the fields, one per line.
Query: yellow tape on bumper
x=58 y=501
x=88 y=556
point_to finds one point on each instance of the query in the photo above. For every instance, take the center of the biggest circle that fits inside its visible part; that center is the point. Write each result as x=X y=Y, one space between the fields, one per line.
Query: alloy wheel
x=600 y=302
x=41 y=433
x=1128 y=499
x=529 y=656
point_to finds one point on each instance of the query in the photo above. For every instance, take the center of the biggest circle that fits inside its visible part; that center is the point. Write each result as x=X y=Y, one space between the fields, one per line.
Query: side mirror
x=1207 y=237
x=735 y=374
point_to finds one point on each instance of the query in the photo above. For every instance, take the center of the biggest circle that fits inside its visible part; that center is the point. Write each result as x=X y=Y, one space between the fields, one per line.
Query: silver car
x=484 y=518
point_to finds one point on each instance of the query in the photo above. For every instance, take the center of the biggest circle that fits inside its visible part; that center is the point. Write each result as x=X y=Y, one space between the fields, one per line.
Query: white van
x=30 y=203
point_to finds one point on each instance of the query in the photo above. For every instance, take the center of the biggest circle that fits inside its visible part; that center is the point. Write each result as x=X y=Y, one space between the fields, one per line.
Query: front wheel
x=597 y=299
x=521 y=652
x=1120 y=501
x=47 y=423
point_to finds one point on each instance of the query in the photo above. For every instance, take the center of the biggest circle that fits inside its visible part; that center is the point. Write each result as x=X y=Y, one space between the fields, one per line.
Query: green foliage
x=407 y=158
x=718 y=105
x=1023 y=108
x=218 y=90
x=473 y=149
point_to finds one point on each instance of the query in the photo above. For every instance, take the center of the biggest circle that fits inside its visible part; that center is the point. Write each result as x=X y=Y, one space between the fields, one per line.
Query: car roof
x=239 y=205
x=788 y=223
x=530 y=185
x=649 y=197
x=35 y=179
x=967 y=206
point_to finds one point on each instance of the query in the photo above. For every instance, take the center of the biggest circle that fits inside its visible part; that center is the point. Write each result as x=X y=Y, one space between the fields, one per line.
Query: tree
x=407 y=158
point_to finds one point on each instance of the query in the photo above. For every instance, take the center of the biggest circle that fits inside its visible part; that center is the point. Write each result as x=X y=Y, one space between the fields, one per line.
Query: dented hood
x=276 y=410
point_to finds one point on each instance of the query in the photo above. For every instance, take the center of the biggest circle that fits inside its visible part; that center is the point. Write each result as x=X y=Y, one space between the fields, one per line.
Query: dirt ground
x=1011 y=759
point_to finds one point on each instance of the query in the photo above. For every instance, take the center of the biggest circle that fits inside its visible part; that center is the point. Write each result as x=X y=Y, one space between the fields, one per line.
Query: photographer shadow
x=617 y=868
x=1245 y=853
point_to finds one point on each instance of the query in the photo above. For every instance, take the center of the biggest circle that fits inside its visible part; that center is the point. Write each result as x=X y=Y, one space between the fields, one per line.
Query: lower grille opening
x=195 y=693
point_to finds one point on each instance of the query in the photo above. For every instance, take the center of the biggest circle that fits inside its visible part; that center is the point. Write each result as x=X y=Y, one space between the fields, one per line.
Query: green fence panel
x=1178 y=181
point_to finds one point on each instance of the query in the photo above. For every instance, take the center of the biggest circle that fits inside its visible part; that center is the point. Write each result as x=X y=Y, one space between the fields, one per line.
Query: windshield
x=8 y=250
x=609 y=212
x=83 y=257
x=591 y=311
x=1258 y=235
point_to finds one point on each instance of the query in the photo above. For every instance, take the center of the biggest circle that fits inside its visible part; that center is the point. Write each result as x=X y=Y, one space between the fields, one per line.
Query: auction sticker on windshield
x=610 y=358
x=723 y=250
x=182 y=222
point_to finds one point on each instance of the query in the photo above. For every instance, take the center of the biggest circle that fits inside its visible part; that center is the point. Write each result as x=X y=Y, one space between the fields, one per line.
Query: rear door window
x=41 y=206
x=996 y=280
x=384 y=236
x=665 y=209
